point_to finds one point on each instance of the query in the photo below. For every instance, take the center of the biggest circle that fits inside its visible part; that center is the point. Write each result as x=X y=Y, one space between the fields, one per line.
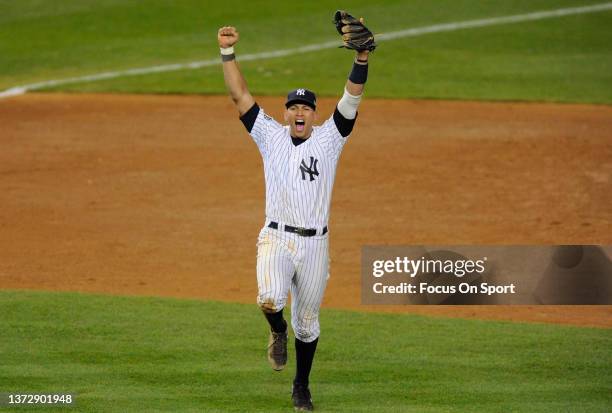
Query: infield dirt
x=164 y=195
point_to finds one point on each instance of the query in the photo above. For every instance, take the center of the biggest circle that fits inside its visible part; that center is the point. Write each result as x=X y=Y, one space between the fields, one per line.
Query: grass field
x=566 y=59
x=152 y=354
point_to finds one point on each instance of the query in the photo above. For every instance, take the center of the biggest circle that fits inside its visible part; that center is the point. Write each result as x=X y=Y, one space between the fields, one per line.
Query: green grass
x=565 y=59
x=151 y=354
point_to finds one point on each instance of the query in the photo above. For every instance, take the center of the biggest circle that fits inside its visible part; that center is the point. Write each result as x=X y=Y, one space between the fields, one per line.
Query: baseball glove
x=355 y=35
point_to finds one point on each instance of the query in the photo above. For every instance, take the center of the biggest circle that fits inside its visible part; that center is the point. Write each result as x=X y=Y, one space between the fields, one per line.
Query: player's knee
x=269 y=304
x=268 y=307
x=307 y=335
x=307 y=328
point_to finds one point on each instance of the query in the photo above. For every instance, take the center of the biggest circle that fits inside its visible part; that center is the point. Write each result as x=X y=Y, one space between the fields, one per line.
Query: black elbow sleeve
x=248 y=119
x=344 y=125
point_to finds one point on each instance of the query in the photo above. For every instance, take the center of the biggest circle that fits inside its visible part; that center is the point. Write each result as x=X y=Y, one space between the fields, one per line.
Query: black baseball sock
x=277 y=322
x=304 y=354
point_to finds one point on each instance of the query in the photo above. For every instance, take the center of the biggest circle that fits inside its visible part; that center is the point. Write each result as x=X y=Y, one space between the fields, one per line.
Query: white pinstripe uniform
x=299 y=182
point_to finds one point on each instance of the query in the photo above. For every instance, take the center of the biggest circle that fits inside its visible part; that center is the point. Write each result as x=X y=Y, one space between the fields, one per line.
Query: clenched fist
x=227 y=36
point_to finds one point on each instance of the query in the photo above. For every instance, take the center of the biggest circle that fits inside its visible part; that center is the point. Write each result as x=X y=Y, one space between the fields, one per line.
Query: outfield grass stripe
x=153 y=354
x=493 y=21
x=418 y=31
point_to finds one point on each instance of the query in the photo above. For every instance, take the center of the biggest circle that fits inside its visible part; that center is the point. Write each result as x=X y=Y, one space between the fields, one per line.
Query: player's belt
x=304 y=232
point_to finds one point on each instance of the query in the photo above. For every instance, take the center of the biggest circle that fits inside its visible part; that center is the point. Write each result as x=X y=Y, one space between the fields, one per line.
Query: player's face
x=300 y=119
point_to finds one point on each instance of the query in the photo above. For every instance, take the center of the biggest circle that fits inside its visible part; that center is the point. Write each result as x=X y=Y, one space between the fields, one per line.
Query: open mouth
x=299 y=125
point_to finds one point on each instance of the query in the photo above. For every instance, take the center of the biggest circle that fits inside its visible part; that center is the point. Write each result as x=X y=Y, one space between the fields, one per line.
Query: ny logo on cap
x=300 y=92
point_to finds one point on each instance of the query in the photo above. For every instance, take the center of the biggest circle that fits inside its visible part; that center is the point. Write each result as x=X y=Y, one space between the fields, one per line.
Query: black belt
x=304 y=232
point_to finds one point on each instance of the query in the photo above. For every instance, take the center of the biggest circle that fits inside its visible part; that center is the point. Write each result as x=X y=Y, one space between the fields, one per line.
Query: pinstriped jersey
x=299 y=179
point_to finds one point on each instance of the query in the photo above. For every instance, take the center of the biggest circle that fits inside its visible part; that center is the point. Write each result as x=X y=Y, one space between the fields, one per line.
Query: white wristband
x=227 y=50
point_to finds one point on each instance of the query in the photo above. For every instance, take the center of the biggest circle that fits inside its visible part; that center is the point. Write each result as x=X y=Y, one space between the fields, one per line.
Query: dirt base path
x=164 y=195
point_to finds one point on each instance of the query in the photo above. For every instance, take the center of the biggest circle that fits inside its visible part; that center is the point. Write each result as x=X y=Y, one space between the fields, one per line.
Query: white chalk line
x=436 y=28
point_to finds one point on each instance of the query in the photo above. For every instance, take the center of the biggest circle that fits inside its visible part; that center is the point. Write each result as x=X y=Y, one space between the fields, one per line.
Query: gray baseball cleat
x=302 y=401
x=277 y=350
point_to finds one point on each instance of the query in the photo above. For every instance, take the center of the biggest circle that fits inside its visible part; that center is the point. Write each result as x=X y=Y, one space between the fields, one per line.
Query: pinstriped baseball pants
x=288 y=262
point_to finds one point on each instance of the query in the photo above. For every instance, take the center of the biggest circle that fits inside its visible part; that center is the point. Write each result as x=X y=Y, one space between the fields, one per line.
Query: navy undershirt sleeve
x=248 y=119
x=344 y=125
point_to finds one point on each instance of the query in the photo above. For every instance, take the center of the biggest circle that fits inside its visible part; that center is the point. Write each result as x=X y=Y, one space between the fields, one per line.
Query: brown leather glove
x=355 y=35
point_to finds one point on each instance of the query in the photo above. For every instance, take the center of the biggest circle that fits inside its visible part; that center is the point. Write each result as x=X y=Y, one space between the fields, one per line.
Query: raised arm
x=356 y=89
x=357 y=37
x=234 y=81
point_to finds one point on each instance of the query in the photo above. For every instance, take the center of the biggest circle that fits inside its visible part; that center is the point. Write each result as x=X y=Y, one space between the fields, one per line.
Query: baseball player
x=300 y=162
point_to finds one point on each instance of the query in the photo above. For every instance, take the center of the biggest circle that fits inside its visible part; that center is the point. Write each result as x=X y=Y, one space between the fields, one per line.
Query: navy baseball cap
x=304 y=96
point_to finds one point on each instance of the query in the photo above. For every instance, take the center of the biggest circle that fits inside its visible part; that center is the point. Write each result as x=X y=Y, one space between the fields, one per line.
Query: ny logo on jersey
x=310 y=170
x=300 y=92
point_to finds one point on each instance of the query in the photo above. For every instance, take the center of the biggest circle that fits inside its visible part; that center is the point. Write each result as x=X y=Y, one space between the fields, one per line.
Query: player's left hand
x=355 y=35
